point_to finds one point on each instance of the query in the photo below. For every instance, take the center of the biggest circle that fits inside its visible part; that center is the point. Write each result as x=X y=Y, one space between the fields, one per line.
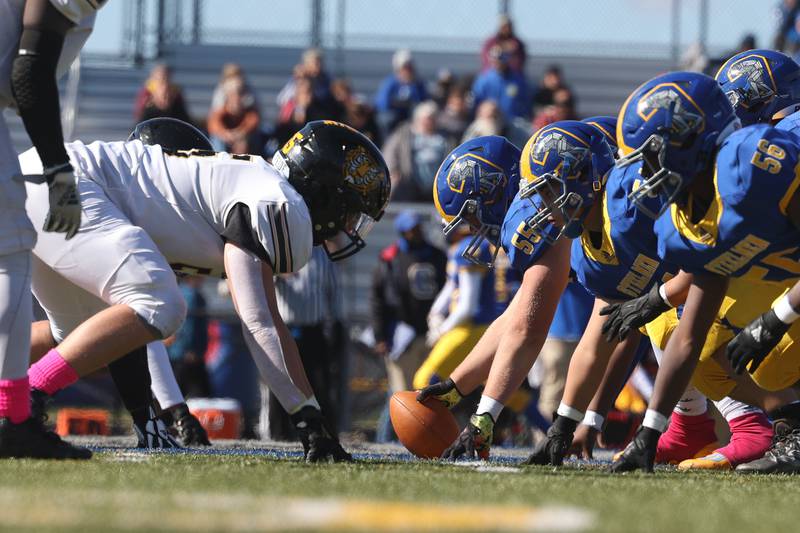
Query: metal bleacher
x=108 y=88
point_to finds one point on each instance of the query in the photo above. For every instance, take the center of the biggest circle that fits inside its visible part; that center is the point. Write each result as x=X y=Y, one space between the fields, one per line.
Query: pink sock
x=51 y=373
x=685 y=436
x=15 y=399
x=751 y=435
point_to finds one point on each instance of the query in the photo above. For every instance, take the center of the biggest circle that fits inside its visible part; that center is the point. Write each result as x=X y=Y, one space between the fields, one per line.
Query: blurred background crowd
x=388 y=319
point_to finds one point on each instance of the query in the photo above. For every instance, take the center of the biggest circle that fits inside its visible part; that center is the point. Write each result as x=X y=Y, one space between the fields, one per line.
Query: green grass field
x=123 y=491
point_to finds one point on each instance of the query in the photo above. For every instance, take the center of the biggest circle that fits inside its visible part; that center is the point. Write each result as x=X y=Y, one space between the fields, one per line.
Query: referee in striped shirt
x=308 y=302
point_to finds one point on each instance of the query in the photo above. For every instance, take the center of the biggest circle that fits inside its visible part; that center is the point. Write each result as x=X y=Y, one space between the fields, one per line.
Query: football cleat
x=40 y=401
x=30 y=439
x=151 y=431
x=782 y=457
x=751 y=434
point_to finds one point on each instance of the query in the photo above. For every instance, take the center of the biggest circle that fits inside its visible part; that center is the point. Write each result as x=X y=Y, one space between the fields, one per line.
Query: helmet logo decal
x=360 y=170
x=755 y=69
x=561 y=143
x=687 y=117
x=462 y=171
x=291 y=142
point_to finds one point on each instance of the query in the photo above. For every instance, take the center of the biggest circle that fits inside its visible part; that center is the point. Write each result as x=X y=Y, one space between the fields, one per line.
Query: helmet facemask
x=659 y=181
x=557 y=203
x=490 y=191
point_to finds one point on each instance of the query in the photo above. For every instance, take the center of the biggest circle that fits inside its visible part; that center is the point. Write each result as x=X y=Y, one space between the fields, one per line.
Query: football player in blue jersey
x=578 y=156
x=730 y=213
x=762 y=85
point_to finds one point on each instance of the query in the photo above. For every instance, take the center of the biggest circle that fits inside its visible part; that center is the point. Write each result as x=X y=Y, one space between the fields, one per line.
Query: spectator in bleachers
x=413 y=153
x=399 y=92
x=445 y=81
x=235 y=127
x=787 y=12
x=160 y=97
x=505 y=86
x=552 y=81
x=311 y=68
x=233 y=71
x=454 y=118
x=409 y=275
x=563 y=108
x=304 y=107
x=356 y=110
x=489 y=120
x=508 y=42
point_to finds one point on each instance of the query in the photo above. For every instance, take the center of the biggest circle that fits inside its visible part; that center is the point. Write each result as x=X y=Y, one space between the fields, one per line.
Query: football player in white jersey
x=39 y=39
x=148 y=212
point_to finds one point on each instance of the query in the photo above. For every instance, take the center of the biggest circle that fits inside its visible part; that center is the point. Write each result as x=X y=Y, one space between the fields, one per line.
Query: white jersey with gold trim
x=183 y=200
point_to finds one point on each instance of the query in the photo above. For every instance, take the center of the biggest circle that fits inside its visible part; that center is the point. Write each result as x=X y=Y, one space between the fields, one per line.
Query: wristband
x=593 y=420
x=489 y=406
x=662 y=291
x=784 y=310
x=569 y=412
x=655 y=420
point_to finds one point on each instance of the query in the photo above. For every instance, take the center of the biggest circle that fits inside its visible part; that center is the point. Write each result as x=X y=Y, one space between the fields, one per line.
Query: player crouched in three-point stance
x=148 y=212
x=39 y=39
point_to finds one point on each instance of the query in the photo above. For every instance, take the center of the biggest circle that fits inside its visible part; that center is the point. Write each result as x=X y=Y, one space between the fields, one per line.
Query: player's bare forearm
x=589 y=361
x=677 y=288
x=615 y=375
x=684 y=346
x=473 y=371
x=527 y=327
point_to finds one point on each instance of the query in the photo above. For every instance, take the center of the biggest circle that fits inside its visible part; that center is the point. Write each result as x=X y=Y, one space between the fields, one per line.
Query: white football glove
x=64 y=215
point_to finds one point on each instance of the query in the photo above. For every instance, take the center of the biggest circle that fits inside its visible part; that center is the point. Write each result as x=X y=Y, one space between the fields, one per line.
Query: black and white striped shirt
x=309 y=296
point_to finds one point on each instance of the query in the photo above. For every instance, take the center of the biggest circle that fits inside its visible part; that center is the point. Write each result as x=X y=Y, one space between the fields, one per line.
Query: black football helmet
x=170 y=134
x=343 y=179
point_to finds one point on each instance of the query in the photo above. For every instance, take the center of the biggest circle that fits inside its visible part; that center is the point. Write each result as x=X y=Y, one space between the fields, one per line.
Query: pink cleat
x=686 y=437
x=751 y=436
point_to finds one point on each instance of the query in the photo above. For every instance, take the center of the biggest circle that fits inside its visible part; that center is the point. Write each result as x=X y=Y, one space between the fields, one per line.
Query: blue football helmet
x=564 y=164
x=475 y=185
x=608 y=125
x=762 y=85
x=673 y=124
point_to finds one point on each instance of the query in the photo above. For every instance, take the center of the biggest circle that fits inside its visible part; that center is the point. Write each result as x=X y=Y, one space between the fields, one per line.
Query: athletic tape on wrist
x=662 y=291
x=569 y=412
x=593 y=420
x=655 y=420
x=784 y=310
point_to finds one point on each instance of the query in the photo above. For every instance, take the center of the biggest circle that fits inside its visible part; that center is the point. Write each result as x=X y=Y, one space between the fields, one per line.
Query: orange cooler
x=221 y=417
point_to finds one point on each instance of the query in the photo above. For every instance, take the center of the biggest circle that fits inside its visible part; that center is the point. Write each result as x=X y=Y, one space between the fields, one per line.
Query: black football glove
x=633 y=314
x=755 y=341
x=553 y=449
x=640 y=453
x=476 y=439
x=444 y=391
x=64 y=215
x=318 y=443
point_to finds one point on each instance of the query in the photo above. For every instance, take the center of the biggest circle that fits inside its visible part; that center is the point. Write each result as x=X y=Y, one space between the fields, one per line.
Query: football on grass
x=425 y=429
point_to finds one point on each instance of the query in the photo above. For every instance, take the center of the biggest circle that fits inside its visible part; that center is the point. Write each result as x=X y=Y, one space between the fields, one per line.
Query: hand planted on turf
x=633 y=314
x=554 y=447
x=318 y=443
x=583 y=442
x=475 y=439
x=444 y=391
x=755 y=341
x=640 y=452
x=64 y=215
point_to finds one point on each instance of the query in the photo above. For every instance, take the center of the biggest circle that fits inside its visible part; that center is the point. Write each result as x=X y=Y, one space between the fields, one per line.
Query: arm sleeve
x=469 y=294
x=33 y=83
x=442 y=300
x=259 y=326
